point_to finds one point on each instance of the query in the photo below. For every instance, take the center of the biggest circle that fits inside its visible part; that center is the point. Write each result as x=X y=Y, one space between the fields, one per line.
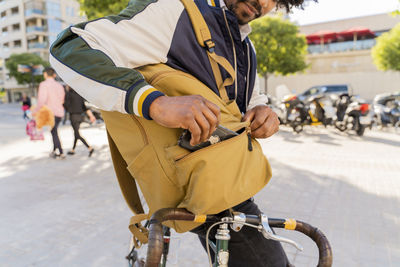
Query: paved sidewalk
x=71 y=212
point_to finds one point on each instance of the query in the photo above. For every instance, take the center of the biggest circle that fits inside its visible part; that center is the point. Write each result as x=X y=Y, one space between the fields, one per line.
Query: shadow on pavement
x=323 y=138
x=359 y=224
x=382 y=141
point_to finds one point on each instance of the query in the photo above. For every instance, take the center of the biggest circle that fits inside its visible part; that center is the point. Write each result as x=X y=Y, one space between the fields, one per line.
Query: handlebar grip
x=155 y=245
x=324 y=248
x=253 y=219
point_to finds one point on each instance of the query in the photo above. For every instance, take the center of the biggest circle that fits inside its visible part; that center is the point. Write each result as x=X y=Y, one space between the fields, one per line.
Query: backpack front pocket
x=222 y=175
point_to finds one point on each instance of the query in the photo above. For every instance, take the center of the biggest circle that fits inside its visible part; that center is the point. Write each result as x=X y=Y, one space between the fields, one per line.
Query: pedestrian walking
x=75 y=105
x=51 y=94
x=26 y=105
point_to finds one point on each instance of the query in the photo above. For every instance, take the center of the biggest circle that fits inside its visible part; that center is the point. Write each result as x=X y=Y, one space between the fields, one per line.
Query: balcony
x=30 y=12
x=342 y=46
x=35 y=29
x=38 y=45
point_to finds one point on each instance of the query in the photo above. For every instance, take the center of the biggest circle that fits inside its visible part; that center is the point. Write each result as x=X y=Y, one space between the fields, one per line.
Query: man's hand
x=264 y=122
x=193 y=112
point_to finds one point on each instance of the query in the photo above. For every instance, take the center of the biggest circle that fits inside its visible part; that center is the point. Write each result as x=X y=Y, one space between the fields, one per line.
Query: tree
x=24 y=59
x=94 y=9
x=280 y=48
x=396 y=12
x=386 y=52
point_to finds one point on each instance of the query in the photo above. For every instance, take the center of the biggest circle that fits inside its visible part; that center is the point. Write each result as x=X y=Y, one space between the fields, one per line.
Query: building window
x=4 y=31
x=3 y=15
x=14 y=11
x=15 y=27
x=17 y=44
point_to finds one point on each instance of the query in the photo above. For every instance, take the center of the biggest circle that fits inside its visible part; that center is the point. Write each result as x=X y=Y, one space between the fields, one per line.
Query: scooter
x=316 y=110
x=352 y=114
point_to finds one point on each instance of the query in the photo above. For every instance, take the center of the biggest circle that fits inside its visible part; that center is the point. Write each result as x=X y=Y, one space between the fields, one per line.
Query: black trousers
x=247 y=247
x=76 y=120
x=54 y=135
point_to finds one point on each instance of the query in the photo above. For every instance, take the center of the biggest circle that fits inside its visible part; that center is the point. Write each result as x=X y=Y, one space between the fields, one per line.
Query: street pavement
x=71 y=212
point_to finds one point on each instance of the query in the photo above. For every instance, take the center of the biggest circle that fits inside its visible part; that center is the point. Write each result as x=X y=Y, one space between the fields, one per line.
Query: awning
x=359 y=31
x=321 y=37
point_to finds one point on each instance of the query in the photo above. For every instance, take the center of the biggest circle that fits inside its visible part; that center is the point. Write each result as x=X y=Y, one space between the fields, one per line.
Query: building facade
x=344 y=61
x=31 y=26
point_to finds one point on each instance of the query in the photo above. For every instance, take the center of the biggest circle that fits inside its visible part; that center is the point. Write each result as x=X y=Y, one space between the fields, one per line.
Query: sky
x=329 y=10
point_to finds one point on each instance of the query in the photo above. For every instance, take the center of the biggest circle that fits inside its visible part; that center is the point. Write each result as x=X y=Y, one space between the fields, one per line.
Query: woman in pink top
x=52 y=94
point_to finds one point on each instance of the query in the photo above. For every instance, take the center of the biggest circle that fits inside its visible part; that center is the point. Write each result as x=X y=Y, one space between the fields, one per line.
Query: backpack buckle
x=210 y=45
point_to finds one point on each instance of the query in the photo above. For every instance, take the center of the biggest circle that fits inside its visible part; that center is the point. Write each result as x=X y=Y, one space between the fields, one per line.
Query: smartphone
x=220 y=134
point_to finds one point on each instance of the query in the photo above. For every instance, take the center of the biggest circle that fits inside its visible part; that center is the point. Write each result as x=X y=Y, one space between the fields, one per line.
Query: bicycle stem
x=222 y=239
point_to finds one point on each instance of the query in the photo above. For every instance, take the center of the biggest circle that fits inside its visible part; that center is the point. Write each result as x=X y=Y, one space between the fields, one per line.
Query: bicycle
x=159 y=236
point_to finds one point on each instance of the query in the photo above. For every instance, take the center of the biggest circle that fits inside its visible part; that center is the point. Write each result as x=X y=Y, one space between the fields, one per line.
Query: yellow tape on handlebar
x=200 y=218
x=290 y=224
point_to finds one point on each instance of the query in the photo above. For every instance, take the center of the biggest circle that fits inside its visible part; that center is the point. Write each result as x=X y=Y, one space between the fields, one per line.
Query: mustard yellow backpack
x=206 y=181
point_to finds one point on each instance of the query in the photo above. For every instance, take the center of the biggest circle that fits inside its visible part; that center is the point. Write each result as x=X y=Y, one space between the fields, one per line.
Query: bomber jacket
x=98 y=58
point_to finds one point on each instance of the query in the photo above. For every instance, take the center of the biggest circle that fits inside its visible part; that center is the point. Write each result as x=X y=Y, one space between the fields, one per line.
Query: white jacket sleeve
x=256 y=97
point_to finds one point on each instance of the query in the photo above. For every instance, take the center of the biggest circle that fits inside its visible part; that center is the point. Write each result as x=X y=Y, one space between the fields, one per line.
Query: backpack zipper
x=249 y=145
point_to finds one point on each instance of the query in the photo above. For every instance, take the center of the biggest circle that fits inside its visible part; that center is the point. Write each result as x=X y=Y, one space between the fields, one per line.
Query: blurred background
x=332 y=74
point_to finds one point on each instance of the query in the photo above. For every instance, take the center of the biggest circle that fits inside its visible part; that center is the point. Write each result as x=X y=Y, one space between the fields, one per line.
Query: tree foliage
x=94 y=9
x=386 y=53
x=24 y=59
x=396 y=12
x=280 y=48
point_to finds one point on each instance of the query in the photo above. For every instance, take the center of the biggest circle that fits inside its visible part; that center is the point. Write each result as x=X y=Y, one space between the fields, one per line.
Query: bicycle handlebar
x=154 y=249
x=324 y=248
x=155 y=245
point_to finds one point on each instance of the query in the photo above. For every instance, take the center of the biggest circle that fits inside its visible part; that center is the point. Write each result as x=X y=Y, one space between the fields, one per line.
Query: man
x=52 y=94
x=99 y=58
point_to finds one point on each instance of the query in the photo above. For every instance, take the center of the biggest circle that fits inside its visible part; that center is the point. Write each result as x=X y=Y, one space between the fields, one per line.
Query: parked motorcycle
x=278 y=107
x=352 y=114
x=387 y=110
x=315 y=110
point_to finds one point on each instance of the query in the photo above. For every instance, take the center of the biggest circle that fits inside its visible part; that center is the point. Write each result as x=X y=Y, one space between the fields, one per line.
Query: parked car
x=333 y=90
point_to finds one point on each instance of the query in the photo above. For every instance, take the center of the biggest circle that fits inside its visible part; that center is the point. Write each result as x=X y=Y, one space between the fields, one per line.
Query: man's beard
x=245 y=18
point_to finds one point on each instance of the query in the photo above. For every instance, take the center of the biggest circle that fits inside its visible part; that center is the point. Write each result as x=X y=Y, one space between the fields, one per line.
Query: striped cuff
x=143 y=99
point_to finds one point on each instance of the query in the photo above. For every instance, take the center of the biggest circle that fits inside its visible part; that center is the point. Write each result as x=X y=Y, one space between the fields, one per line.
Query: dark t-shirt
x=26 y=102
x=74 y=103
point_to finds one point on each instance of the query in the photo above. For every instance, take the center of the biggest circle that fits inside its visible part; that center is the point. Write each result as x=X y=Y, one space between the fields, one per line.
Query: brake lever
x=268 y=234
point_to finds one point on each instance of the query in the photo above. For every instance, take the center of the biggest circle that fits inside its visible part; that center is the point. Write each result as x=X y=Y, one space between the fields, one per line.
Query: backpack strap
x=139 y=232
x=204 y=38
x=126 y=181
x=129 y=190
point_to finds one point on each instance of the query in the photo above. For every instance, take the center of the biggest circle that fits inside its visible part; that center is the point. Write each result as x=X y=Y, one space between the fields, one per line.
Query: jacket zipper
x=248 y=75
x=234 y=50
